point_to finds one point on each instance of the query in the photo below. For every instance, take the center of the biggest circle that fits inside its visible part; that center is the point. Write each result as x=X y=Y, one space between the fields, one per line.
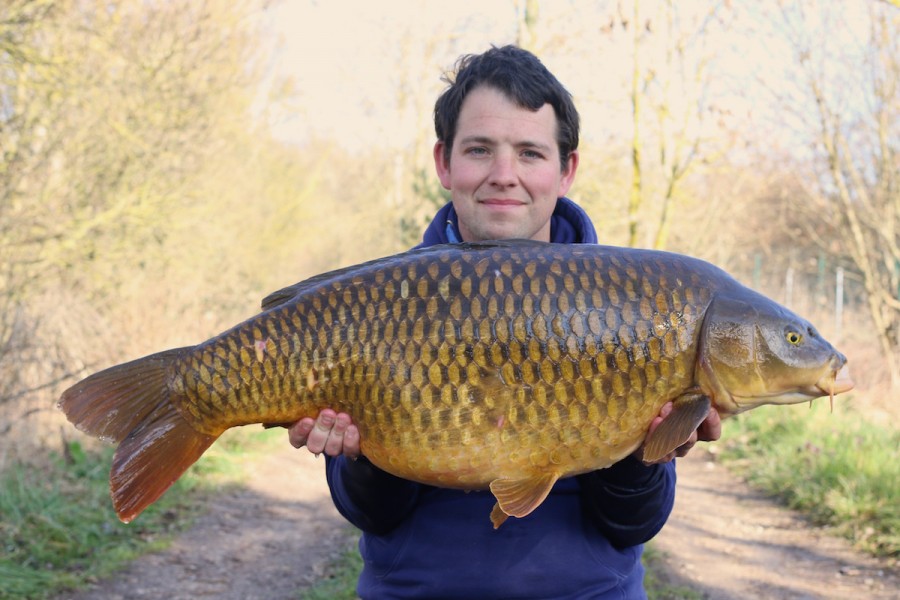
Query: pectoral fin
x=688 y=412
x=518 y=497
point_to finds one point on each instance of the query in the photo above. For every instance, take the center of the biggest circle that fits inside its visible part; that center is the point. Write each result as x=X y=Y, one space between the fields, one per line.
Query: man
x=507 y=151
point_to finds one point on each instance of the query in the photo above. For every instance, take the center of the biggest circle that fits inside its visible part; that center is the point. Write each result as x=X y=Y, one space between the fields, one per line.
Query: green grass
x=58 y=529
x=656 y=587
x=839 y=469
x=339 y=581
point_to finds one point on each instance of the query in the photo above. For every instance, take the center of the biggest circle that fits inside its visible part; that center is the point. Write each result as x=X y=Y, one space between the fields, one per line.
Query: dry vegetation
x=145 y=204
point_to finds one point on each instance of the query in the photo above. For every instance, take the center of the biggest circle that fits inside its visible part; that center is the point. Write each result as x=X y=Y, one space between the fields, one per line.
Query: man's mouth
x=501 y=202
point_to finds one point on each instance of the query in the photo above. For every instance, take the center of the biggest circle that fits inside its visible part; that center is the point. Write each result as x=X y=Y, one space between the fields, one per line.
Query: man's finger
x=299 y=432
x=334 y=445
x=351 y=442
x=711 y=428
x=318 y=437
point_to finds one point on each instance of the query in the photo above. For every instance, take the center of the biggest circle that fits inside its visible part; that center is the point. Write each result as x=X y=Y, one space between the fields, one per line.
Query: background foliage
x=154 y=184
x=164 y=165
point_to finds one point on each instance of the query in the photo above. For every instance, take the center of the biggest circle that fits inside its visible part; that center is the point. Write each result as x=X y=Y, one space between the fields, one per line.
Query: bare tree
x=846 y=102
x=635 y=196
x=669 y=103
x=526 y=21
x=111 y=115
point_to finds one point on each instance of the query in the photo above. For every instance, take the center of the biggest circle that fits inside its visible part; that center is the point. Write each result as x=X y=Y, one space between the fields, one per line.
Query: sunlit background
x=164 y=165
x=167 y=164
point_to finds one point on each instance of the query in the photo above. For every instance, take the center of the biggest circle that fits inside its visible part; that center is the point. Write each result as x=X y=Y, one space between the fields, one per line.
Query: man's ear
x=442 y=164
x=568 y=174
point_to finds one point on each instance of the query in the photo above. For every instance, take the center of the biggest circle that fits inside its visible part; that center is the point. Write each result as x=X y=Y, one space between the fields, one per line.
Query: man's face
x=504 y=170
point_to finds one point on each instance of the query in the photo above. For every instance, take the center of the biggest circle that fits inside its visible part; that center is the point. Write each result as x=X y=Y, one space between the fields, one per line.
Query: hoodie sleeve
x=371 y=499
x=629 y=502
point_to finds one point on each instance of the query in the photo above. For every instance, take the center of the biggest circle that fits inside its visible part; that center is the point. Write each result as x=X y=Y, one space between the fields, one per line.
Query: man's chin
x=507 y=232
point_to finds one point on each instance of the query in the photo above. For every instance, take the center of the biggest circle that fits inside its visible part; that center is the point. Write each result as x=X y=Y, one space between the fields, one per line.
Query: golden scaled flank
x=524 y=356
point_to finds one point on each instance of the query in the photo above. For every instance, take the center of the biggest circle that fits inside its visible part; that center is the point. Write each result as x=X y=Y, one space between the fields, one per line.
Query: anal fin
x=519 y=497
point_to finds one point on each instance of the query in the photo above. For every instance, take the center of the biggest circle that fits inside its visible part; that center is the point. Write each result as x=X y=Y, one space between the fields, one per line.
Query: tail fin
x=132 y=404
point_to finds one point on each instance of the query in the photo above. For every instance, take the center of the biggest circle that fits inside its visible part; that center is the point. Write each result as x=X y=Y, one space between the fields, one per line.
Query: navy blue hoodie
x=584 y=541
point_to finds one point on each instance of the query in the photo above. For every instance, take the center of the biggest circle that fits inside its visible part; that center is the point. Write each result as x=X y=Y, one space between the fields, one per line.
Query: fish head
x=754 y=351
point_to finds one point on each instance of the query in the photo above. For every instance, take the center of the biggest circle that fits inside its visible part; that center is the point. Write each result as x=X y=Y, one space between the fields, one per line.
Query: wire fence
x=829 y=294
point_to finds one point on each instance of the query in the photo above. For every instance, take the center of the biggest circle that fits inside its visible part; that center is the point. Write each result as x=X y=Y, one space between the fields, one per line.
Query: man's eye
x=477 y=151
x=531 y=154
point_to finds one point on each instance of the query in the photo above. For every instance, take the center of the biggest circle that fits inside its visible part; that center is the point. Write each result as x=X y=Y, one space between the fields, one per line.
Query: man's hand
x=709 y=431
x=331 y=433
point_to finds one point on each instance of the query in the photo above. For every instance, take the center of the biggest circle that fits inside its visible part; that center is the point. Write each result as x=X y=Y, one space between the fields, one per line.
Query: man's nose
x=503 y=170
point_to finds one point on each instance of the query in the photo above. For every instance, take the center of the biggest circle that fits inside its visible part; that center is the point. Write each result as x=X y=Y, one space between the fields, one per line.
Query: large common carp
x=501 y=365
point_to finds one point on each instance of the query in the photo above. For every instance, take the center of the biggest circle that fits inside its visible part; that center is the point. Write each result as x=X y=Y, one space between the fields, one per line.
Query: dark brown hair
x=519 y=75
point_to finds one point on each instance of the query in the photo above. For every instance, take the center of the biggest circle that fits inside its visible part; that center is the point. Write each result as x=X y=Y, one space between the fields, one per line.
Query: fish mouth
x=835 y=382
x=832 y=383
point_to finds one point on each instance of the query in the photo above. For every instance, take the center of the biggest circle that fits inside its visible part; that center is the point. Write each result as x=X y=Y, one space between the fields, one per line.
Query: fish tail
x=134 y=404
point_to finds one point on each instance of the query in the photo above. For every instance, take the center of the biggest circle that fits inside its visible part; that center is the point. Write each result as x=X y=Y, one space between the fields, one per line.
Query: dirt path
x=730 y=542
x=264 y=541
x=272 y=538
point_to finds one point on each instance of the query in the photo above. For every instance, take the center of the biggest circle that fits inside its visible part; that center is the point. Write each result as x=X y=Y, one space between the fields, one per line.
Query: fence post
x=789 y=287
x=757 y=270
x=897 y=275
x=821 y=299
x=838 y=302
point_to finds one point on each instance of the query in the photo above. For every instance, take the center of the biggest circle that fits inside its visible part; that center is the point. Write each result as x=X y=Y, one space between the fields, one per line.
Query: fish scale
x=504 y=365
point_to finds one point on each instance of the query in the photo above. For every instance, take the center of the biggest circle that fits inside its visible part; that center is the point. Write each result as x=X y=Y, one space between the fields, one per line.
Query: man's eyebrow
x=535 y=145
x=487 y=141
x=477 y=139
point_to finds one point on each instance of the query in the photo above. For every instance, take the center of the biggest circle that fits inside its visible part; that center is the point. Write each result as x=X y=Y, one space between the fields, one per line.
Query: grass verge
x=58 y=530
x=339 y=579
x=839 y=469
x=657 y=587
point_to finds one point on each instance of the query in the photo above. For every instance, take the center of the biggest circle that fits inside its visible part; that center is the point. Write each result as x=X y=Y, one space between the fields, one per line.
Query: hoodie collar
x=569 y=224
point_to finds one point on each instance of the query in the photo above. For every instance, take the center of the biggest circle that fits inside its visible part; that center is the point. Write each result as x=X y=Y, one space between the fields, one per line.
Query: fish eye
x=793 y=337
